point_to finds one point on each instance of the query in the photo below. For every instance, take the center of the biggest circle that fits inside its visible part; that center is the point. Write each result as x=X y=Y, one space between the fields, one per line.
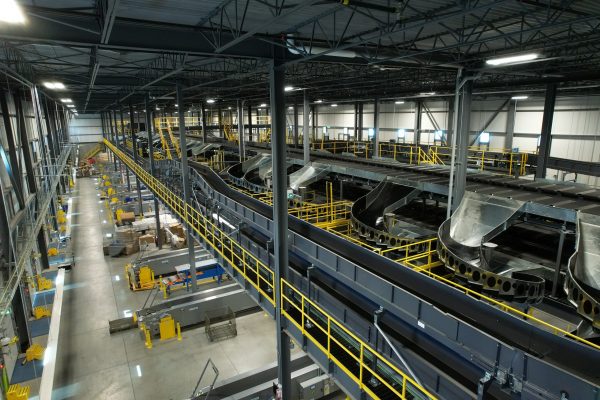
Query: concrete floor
x=92 y=364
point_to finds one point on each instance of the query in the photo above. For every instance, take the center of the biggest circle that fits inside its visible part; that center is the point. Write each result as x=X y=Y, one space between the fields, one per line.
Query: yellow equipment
x=107 y=183
x=44 y=283
x=146 y=277
x=52 y=251
x=110 y=191
x=34 y=352
x=17 y=392
x=169 y=329
x=41 y=312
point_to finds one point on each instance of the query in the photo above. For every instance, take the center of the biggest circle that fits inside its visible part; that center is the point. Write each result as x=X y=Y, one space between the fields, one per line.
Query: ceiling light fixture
x=519 y=97
x=288 y=88
x=263 y=105
x=210 y=101
x=290 y=108
x=11 y=12
x=512 y=59
x=399 y=102
x=54 y=85
x=70 y=105
x=319 y=101
x=334 y=105
x=66 y=100
x=428 y=94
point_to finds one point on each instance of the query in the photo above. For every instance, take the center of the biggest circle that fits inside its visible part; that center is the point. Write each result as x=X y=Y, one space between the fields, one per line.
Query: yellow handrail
x=254 y=271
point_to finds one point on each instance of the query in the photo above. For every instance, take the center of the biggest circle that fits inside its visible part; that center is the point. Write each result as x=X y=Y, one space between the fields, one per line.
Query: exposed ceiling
x=111 y=52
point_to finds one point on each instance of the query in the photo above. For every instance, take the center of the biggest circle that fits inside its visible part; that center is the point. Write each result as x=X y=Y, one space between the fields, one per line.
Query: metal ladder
x=204 y=392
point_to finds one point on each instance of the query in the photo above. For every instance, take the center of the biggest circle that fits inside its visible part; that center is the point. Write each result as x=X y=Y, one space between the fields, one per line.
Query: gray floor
x=92 y=364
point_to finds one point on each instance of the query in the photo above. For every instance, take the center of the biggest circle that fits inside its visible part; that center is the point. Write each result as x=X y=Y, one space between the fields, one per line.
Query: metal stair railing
x=204 y=392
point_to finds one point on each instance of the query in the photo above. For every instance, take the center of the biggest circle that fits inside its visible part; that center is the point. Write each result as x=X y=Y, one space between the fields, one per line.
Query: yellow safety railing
x=338 y=343
x=322 y=213
x=506 y=308
x=92 y=152
x=250 y=267
x=262 y=279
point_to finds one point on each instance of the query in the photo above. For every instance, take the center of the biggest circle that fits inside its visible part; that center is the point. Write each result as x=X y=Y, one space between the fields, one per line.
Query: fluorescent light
x=229 y=108
x=319 y=101
x=513 y=59
x=210 y=101
x=334 y=105
x=70 y=105
x=401 y=133
x=11 y=12
x=288 y=88
x=290 y=107
x=176 y=105
x=427 y=93
x=263 y=105
x=66 y=100
x=399 y=102
x=54 y=85
x=520 y=97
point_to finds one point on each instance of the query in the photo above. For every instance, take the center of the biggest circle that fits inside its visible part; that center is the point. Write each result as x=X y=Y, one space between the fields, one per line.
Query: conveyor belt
x=569 y=355
x=564 y=195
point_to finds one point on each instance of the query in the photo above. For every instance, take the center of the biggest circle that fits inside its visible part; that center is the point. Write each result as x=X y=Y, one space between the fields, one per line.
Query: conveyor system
x=466 y=247
x=190 y=309
x=583 y=275
x=370 y=212
x=257 y=166
x=143 y=271
x=481 y=348
x=305 y=176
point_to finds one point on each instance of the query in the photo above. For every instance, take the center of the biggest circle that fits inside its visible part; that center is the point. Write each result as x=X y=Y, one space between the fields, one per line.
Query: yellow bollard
x=148 y=341
x=179 y=338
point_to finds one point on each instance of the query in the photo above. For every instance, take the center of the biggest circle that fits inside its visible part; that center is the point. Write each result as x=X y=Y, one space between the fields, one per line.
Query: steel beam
x=376 y=128
x=249 y=121
x=280 y=212
x=510 y=125
x=360 y=121
x=240 y=116
x=13 y=168
x=489 y=121
x=152 y=167
x=306 y=129
x=546 y=135
x=295 y=124
x=186 y=183
x=123 y=146
x=417 y=126
x=220 y=121
x=202 y=105
x=135 y=155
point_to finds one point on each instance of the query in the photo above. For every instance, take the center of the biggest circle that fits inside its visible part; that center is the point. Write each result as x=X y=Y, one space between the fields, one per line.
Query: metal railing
x=261 y=278
x=340 y=345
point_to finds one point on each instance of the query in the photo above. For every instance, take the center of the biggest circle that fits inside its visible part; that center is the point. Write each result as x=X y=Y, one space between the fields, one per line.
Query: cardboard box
x=127 y=217
x=177 y=229
x=146 y=239
x=131 y=248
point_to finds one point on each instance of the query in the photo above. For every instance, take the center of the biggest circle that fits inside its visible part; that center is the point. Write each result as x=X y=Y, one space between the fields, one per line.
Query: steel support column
x=250 y=137
x=510 y=125
x=186 y=183
x=417 y=126
x=220 y=121
x=240 y=116
x=546 y=135
x=112 y=136
x=135 y=156
x=361 y=115
x=296 y=124
x=376 y=127
x=306 y=129
x=123 y=146
x=280 y=212
x=356 y=120
x=152 y=167
x=12 y=150
x=204 y=134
